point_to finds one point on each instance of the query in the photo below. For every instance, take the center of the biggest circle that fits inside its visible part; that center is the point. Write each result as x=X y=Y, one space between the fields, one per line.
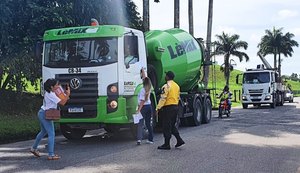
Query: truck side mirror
x=237 y=79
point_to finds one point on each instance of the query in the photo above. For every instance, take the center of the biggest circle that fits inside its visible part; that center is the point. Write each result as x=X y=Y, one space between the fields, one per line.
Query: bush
x=19 y=116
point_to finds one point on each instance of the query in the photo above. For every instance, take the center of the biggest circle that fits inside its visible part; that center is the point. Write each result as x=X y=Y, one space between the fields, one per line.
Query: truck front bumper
x=263 y=99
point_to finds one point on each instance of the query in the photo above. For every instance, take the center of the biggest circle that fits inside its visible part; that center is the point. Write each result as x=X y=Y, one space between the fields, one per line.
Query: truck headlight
x=113 y=89
x=268 y=97
x=113 y=104
x=244 y=98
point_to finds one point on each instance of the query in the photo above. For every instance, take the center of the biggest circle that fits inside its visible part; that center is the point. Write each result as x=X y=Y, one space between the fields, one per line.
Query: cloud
x=255 y=38
x=285 y=14
x=226 y=29
x=296 y=31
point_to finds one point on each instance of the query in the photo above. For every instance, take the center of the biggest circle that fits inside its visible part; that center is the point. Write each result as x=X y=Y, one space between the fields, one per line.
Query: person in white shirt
x=47 y=126
x=145 y=108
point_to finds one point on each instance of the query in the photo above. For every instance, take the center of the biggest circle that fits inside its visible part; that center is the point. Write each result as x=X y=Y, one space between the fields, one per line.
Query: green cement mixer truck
x=102 y=66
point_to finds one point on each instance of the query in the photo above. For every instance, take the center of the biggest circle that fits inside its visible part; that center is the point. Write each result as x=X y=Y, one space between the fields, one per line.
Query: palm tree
x=176 y=14
x=146 y=15
x=208 y=43
x=228 y=45
x=191 y=22
x=270 y=43
x=277 y=43
x=287 y=48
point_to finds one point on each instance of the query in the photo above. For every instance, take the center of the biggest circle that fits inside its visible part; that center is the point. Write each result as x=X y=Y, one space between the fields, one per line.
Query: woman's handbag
x=52 y=114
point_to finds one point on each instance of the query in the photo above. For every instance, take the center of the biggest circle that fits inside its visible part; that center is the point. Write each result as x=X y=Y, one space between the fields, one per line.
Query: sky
x=247 y=18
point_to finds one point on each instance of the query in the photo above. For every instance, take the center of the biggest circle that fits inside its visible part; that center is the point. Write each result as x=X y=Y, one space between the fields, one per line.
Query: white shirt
x=50 y=101
x=141 y=96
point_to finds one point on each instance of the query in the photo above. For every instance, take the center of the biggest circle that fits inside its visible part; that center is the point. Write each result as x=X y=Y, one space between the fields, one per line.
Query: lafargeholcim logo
x=75 y=83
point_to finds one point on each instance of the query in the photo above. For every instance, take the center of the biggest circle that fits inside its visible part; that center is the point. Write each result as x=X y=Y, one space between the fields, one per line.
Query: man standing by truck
x=167 y=109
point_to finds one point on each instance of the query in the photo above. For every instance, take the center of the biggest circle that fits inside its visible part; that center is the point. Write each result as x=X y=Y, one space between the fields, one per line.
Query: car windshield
x=256 y=78
x=81 y=52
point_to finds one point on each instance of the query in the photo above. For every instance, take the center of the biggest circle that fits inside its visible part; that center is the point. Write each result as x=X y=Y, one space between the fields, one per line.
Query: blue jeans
x=146 y=111
x=47 y=127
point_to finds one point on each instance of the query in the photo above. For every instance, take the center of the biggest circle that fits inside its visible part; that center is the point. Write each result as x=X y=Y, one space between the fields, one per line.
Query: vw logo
x=75 y=83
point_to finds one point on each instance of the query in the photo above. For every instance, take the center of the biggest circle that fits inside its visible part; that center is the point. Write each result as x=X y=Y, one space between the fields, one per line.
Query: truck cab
x=102 y=66
x=261 y=86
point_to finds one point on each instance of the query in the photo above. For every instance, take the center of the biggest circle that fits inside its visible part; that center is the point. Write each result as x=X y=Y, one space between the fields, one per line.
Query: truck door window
x=131 y=55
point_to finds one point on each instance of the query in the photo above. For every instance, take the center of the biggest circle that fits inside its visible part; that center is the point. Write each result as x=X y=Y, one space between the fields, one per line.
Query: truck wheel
x=273 y=104
x=207 y=111
x=153 y=77
x=245 y=106
x=282 y=100
x=72 y=133
x=196 y=119
x=110 y=128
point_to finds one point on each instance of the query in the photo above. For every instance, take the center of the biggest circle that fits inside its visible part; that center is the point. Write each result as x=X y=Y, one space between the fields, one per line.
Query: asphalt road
x=255 y=140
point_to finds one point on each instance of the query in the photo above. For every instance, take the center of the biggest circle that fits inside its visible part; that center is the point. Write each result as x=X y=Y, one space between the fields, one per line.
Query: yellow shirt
x=170 y=95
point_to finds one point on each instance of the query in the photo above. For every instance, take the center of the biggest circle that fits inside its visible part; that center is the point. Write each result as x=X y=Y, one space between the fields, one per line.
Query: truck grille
x=84 y=97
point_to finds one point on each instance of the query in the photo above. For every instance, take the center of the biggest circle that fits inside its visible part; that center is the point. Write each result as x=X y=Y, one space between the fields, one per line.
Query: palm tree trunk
x=146 y=15
x=227 y=69
x=275 y=61
x=191 y=22
x=176 y=14
x=279 y=65
x=1 y=76
x=208 y=43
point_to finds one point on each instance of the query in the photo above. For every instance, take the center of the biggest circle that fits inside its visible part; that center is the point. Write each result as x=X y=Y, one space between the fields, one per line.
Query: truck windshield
x=256 y=78
x=81 y=52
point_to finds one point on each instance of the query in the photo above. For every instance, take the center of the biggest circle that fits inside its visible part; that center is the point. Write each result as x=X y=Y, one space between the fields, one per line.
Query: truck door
x=132 y=65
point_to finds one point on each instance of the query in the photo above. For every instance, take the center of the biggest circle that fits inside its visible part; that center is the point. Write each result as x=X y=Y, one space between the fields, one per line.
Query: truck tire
x=71 y=133
x=196 y=119
x=111 y=128
x=273 y=104
x=245 y=106
x=153 y=77
x=207 y=111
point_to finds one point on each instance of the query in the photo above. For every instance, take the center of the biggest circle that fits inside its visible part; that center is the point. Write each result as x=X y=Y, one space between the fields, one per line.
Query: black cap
x=170 y=75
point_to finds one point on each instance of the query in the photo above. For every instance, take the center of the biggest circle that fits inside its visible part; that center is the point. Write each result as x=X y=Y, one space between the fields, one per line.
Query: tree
x=277 y=43
x=287 y=48
x=23 y=22
x=146 y=15
x=228 y=45
x=176 y=14
x=207 y=58
x=191 y=16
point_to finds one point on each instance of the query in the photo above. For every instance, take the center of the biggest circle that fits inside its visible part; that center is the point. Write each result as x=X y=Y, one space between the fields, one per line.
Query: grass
x=19 y=122
x=220 y=83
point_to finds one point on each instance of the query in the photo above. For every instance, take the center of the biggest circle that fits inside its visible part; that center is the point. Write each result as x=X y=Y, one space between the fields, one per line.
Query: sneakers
x=164 y=147
x=149 y=142
x=35 y=152
x=138 y=142
x=179 y=144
